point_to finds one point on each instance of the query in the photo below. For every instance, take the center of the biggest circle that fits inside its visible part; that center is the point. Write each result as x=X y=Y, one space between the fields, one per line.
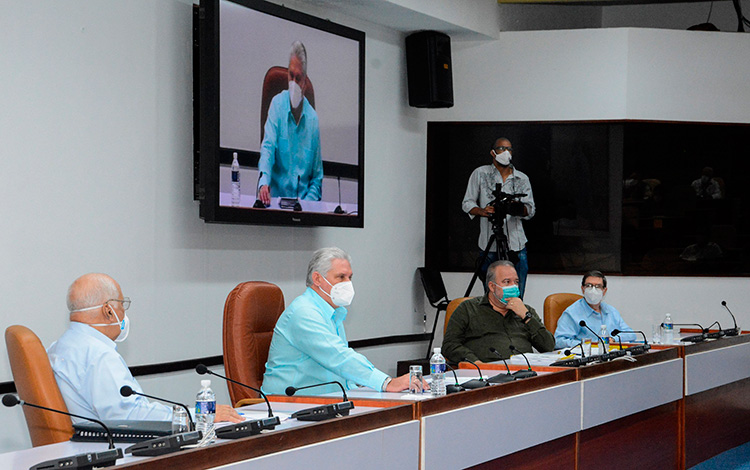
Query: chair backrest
x=554 y=306
x=35 y=383
x=250 y=314
x=451 y=308
x=433 y=284
x=276 y=81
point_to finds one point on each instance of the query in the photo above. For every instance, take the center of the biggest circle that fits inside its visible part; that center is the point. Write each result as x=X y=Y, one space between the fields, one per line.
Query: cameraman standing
x=480 y=200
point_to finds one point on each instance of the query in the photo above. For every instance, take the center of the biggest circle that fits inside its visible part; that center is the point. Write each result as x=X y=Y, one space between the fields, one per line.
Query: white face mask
x=593 y=295
x=124 y=323
x=341 y=294
x=503 y=158
x=295 y=94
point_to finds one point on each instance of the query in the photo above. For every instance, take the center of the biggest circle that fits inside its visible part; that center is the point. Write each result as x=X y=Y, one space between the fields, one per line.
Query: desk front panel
x=716 y=367
x=392 y=447
x=487 y=431
x=619 y=394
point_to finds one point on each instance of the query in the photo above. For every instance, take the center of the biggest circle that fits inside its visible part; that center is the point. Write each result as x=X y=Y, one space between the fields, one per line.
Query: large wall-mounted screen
x=279 y=116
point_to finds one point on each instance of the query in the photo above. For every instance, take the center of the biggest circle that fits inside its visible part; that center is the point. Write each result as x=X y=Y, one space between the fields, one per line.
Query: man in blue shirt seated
x=309 y=343
x=594 y=311
x=87 y=366
x=290 y=164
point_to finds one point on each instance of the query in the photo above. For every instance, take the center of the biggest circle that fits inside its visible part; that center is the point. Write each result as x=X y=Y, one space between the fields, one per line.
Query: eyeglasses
x=501 y=149
x=125 y=302
x=594 y=286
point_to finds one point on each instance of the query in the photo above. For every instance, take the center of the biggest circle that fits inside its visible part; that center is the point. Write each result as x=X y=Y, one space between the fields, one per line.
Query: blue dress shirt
x=309 y=347
x=290 y=150
x=90 y=372
x=569 y=332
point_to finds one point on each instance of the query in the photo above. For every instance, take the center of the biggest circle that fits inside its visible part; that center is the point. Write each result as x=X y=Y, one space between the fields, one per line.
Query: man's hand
x=490 y=209
x=227 y=413
x=399 y=384
x=516 y=305
x=264 y=194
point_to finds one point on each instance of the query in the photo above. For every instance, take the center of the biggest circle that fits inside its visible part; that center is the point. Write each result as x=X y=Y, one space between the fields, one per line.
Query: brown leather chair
x=554 y=306
x=250 y=314
x=35 y=383
x=276 y=81
x=451 y=308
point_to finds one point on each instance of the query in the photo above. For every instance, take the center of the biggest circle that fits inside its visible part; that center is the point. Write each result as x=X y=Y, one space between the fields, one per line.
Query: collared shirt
x=90 y=372
x=291 y=150
x=475 y=326
x=479 y=193
x=309 y=347
x=569 y=332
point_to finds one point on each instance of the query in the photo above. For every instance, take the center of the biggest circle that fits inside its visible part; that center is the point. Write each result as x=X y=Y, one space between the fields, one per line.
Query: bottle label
x=235 y=177
x=437 y=368
x=205 y=407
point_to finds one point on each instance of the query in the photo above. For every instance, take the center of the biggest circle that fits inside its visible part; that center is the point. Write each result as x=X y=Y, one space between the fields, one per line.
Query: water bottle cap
x=436 y=350
x=205 y=383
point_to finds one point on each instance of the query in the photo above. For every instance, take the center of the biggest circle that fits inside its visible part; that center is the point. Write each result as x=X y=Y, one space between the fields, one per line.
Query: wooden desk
x=717 y=397
x=673 y=408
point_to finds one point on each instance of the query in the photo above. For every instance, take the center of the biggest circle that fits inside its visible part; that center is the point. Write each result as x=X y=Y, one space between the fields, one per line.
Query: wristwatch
x=385 y=383
x=527 y=317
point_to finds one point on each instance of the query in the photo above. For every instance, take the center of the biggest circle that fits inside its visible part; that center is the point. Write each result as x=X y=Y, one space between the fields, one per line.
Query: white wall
x=96 y=132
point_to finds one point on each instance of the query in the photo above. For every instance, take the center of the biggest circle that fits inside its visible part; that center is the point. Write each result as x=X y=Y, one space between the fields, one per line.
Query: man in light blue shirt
x=89 y=370
x=309 y=343
x=290 y=164
x=594 y=311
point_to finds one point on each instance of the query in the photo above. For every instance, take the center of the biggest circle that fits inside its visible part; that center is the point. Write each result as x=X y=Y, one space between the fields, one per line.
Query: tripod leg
x=479 y=266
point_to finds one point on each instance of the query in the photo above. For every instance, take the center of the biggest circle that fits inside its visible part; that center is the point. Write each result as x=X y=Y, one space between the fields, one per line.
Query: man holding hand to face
x=497 y=320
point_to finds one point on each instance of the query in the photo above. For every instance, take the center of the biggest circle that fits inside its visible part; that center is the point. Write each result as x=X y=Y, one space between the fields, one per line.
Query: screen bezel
x=208 y=153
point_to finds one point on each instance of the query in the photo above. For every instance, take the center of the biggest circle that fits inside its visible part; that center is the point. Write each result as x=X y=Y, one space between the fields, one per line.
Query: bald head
x=92 y=289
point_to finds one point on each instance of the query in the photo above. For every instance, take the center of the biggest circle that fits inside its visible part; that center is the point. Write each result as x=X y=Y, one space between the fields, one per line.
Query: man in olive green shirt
x=495 y=320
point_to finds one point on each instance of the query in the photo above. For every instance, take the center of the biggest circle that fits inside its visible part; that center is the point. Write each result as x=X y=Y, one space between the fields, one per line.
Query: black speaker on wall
x=429 y=70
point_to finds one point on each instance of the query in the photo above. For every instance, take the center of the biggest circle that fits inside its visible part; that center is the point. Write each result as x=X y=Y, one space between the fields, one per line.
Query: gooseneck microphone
x=126 y=391
x=523 y=374
x=451 y=388
x=338 y=209
x=297 y=205
x=290 y=391
x=474 y=383
x=714 y=334
x=501 y=378
x=568 y=352
x=732 y=331
x=323 y=412
x=258 y=203
x=605 y=356
x=105 y=458
x=695 y=338
x=202 y=370
x=245 y=428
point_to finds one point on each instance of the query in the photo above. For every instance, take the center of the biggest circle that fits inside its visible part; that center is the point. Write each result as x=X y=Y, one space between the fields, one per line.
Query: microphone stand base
x=247 y=428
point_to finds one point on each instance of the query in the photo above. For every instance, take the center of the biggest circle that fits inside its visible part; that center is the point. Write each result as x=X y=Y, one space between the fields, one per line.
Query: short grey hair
x=99 y=289
x=298 y=50
x=493 y=266
x=322 y=259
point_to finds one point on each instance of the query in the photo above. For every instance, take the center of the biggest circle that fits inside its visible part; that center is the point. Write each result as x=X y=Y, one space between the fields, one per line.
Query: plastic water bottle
x=205 y=407
x=605 y=338
x=437 y=371
x=235 y=181
x=668 y=326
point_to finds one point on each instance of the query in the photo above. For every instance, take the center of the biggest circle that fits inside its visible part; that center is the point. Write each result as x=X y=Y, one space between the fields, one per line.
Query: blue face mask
x=508 y=293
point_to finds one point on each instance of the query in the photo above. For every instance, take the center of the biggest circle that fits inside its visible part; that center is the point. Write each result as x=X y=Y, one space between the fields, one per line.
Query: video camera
x=505 y=204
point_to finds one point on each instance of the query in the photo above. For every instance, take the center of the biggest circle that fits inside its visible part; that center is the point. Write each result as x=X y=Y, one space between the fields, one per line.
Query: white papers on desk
x=536 y=359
